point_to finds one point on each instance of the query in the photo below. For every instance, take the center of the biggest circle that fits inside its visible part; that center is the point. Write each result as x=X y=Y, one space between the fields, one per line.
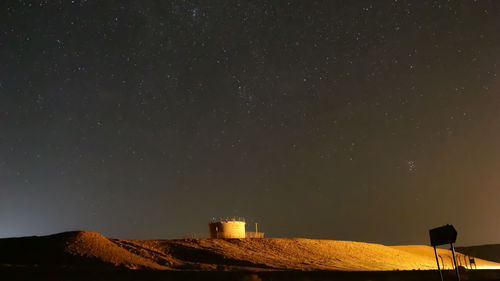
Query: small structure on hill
x=232 y=228
x=227 y=229
x=255 y=234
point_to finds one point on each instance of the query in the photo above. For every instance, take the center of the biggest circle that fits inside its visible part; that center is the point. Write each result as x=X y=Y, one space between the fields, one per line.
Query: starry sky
x=351 y=120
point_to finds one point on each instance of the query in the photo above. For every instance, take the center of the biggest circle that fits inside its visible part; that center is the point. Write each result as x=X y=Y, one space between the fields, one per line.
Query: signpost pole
x=439 y=268
x=454 y=261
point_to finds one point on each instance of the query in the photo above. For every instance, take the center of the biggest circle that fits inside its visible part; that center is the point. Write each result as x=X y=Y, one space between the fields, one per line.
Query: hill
x=69 y=249
x=89 y=249
x=489 y=252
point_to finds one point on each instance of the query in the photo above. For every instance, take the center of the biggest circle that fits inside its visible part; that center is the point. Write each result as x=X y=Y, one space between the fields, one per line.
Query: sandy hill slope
x=446 y=257
x=489 y=252
x=77 y=248
x=90 y=249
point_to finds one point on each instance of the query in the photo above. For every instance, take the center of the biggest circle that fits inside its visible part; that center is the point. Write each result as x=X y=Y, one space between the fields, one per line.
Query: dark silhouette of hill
x=489 y=252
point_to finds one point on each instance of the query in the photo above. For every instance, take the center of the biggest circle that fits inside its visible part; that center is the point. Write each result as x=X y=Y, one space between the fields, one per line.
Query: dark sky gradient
x=354 y=120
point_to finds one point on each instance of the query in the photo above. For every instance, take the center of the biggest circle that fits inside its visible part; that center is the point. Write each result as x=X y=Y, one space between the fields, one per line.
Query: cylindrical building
x=227 y=229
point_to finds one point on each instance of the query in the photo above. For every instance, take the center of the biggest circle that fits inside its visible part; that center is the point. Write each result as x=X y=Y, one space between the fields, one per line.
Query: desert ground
x=232 y=259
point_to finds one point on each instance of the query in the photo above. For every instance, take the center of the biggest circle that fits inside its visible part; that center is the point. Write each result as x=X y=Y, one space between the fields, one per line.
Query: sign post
x=439 y=268
x=443 y=235
x=454 y=261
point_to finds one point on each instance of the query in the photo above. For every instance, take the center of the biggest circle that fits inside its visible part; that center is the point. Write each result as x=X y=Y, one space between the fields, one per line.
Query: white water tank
x=227 y=229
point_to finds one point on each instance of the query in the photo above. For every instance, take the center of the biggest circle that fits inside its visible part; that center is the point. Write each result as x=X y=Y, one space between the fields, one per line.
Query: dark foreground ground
x=15 y=274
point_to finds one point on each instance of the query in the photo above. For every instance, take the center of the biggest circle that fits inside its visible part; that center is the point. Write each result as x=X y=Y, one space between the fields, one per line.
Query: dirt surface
x=83 y=249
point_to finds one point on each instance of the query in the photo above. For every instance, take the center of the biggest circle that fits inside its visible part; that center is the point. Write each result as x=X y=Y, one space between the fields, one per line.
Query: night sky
x=349 y=120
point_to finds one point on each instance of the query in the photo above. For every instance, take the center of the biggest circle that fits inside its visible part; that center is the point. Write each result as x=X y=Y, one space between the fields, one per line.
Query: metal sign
x=443 y=235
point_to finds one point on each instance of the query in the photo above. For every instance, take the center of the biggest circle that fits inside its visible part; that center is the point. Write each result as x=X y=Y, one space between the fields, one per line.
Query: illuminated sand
x=446 y=257
x=92 y=249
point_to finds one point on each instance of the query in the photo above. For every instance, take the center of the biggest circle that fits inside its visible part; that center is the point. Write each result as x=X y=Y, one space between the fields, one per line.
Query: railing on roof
x=227 y=219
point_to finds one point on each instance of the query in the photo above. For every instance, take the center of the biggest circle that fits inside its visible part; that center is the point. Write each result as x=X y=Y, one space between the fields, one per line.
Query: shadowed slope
x=95 y=246
x=489 y=252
